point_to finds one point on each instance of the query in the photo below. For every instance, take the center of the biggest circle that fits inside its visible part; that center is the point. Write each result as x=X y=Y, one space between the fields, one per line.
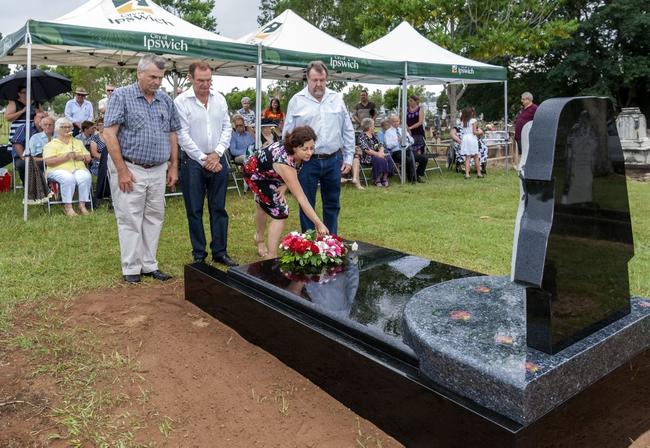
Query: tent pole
x=28 y=113
x=258 y=98
x=505 y=119
x=404 y=127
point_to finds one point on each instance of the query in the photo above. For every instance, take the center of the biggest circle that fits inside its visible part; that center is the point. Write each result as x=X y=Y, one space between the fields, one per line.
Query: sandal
x=467 y=177
x=262 y=250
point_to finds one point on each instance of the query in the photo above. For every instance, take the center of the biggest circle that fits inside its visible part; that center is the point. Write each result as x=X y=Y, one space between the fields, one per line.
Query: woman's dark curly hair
x=298 y=137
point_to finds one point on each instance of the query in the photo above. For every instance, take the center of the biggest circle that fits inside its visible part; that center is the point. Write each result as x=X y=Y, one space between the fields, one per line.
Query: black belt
x=324 y=156
x=143 y=165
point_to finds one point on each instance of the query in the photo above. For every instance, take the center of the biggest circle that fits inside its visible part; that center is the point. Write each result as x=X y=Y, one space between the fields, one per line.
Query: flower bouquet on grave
x=311 y=257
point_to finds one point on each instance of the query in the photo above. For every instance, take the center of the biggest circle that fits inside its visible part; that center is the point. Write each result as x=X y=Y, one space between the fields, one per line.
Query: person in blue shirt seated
x=240 y=140
x=385 y=125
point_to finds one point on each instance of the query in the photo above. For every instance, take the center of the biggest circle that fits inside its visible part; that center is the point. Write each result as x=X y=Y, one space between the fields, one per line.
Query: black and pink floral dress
x=264 y=181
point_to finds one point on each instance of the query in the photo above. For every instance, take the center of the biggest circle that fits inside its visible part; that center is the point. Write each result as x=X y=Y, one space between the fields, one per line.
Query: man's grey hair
x=367 y=123
x=148 y=59
x=238 y=117
x=392 y=115
x=245 y=100
x=527 y=95
x=61 y=122
x=319 y=66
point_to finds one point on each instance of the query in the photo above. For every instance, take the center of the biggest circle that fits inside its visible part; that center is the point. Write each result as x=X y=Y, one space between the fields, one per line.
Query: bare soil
x=202 y=385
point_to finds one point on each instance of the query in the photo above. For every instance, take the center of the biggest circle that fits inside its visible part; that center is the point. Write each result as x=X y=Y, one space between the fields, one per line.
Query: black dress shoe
x=225 y=259
x=158 y=275
x=135 y=278
x=420 y=180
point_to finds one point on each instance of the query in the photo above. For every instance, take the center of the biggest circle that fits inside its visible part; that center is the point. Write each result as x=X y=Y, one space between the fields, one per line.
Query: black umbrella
x=45 y=85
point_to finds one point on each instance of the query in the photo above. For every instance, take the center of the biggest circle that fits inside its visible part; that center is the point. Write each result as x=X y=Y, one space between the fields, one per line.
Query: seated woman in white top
x=65 y=158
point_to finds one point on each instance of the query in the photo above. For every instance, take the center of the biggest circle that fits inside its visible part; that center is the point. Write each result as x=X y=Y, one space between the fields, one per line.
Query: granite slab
x=470 y=336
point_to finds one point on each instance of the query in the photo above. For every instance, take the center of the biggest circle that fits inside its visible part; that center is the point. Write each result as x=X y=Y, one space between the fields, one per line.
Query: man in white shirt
x=393 y=143
x=204 y=137
x=324 y=111
x=78 y=110
x=101 y=104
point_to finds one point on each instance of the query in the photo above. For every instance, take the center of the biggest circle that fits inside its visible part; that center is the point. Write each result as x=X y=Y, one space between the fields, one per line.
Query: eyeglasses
x=65 y=126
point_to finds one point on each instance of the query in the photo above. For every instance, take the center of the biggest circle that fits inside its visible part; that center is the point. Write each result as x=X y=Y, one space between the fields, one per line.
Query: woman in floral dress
x=269 y=172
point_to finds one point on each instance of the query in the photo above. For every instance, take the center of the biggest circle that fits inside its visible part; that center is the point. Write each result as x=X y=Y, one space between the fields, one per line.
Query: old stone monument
x=633 y=131
x=438 y=355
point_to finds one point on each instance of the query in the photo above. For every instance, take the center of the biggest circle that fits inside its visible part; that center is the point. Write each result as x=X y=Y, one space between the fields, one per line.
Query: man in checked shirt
x=140 y=132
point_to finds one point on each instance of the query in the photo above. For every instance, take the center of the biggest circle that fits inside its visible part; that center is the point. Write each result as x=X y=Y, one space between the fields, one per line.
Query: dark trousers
x=196 y=183
x=416 y=164
x=328 y=173
x=103 y=189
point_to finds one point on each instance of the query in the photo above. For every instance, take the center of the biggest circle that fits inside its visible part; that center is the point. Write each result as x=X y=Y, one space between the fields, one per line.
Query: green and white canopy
x=110 y=33
x=289 y=43
x=428 y=63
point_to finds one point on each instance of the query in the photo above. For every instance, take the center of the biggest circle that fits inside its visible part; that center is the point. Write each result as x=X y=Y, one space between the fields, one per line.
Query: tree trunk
x=454 y=93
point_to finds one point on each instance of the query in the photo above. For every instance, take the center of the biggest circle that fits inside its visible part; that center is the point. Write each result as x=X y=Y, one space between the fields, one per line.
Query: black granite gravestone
x=437 y=355
x=574 y=235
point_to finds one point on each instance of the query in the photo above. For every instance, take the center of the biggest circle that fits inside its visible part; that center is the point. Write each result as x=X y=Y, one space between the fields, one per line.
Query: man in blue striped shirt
x=140 y=132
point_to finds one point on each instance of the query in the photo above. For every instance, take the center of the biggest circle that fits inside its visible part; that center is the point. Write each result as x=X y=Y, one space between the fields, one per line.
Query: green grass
x=464 y=223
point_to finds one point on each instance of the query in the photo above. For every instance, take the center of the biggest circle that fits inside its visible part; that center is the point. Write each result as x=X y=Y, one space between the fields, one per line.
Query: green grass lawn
x=464 y=223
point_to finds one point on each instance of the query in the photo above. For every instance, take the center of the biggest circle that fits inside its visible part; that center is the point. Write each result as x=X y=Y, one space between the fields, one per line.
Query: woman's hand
x=321 y=229
x=281 y=191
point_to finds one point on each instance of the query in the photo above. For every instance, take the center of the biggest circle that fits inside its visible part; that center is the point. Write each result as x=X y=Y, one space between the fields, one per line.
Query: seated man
x=392 y=142
x=18 y=142
x=240 y=140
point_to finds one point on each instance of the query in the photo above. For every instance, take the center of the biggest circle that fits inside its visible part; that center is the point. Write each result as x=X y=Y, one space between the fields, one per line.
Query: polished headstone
x=573 y=236
x=367 y=294
x=470 y=337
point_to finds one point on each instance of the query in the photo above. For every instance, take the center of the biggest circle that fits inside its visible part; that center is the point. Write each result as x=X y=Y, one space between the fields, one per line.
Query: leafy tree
x=197 y=12
x=336 y=17
x=378 y=98
x=233 y=98
x=351 y=97
x=609 y=53
x=391 y=96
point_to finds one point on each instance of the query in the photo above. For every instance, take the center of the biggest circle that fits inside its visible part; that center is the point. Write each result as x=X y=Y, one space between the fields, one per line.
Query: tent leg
x=258 y=98
x=28 y=124
x=505 y=119
x=404 y=127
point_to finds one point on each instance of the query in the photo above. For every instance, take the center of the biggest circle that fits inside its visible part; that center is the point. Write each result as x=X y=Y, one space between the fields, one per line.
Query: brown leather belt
x=143 y=165
x=325 y=156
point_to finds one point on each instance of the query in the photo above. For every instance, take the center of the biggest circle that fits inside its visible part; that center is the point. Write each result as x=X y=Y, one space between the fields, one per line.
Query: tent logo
x=127 y=6
x=264 y=32
x=462 y=70
x=135 y=11
x=153 y=42
x=342 y=62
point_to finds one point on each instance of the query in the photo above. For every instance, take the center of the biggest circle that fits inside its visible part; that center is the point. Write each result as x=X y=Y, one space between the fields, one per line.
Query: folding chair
x=235 y=172
x=15 y=175
x=362 y=171
x=431 y=155
x=54 y=189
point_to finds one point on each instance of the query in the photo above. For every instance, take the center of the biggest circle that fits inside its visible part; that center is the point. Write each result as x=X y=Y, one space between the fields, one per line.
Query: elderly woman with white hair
x=65 y=158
